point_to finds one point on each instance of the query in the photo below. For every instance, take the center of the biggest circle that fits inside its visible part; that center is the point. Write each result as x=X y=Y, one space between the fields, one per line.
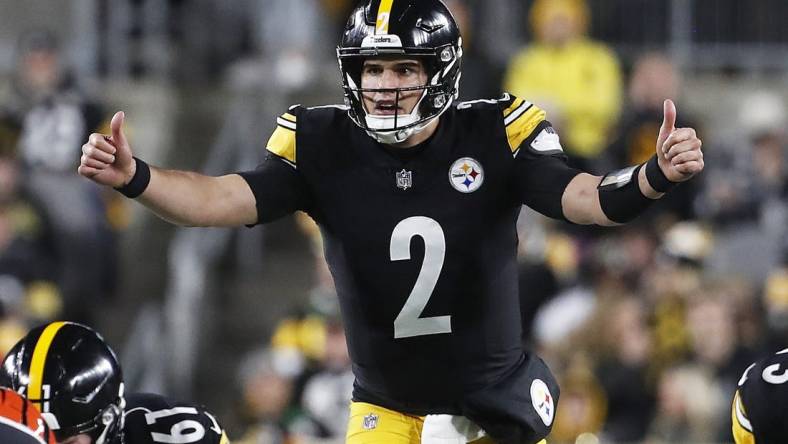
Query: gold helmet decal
x=34 y=388
x=384 y=14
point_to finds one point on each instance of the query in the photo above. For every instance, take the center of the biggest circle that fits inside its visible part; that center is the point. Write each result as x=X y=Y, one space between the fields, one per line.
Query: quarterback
x=71 y=374
x=417 y=198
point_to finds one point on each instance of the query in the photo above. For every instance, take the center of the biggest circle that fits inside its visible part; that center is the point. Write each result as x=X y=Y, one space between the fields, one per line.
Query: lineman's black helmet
x=73 y=377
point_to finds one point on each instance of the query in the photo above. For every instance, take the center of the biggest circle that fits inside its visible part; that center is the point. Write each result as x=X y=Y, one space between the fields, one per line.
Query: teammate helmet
x=20 y=421
x=72 y=375
x=420 y=29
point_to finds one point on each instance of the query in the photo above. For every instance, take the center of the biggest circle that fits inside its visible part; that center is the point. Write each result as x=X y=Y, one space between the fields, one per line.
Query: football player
x=20 y=421
x=417 y=199
x=760 y=405
x=72 y=375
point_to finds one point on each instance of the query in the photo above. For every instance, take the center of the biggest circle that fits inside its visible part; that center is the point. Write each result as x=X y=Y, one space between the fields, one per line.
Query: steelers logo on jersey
x=466 y=175
x=542 y=401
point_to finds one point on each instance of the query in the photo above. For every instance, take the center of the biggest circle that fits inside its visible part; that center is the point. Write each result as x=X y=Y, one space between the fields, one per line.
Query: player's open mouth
x=387 y=108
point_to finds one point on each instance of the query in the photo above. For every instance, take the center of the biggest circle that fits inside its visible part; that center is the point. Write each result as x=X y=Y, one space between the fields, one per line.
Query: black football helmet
x=419 y=29
x=74 y=378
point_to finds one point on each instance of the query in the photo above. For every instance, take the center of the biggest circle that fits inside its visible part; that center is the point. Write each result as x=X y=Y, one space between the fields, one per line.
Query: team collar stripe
x=289 y=117
x=517 y=113
x=39 y=360
x=286 y=124
x=384 y=14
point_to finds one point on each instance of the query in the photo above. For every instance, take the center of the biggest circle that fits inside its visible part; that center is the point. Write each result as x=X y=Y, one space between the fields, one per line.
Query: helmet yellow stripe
x=39 y=359
x=384 y=13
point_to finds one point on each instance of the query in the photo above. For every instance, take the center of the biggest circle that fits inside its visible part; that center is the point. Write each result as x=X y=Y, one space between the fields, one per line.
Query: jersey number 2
x=409 y=321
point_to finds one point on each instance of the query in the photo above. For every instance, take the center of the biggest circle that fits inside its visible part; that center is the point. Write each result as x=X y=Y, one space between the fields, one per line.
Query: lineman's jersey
x=153 y=419
x=760 y=405
x=421 y=242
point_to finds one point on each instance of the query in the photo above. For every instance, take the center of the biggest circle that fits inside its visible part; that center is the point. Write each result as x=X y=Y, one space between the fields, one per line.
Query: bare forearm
x=581 y=199
x=193 y=199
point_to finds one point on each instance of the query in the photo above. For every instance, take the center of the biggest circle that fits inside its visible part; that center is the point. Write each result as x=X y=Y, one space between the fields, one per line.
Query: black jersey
x=760 y=405
x=152 y=419
x=421 y=242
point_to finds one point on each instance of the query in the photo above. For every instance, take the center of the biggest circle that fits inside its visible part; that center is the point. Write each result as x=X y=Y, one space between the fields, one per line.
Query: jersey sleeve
x=761 y=400
x=541 y=172
x=150 y=419
x=741 y=427
x=278 y=186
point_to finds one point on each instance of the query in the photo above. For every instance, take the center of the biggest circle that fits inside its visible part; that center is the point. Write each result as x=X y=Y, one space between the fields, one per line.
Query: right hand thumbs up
x=107 y=160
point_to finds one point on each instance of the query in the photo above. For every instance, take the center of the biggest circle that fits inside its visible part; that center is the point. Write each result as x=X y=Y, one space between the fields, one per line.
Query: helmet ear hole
x=109 y=415
x=447 y=54
x=109 y=423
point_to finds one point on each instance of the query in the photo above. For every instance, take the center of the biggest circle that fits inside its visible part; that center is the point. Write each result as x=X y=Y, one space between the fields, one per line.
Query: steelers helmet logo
x=542 y=401
x=466 y=175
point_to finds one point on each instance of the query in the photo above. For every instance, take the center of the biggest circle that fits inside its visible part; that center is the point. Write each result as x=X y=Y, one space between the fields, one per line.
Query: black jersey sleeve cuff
x=278 y=188
x=542 y=176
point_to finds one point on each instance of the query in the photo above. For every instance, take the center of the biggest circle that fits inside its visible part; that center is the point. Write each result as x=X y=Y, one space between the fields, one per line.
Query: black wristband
x=620 y=197
x=656 y=178
x=138 y=183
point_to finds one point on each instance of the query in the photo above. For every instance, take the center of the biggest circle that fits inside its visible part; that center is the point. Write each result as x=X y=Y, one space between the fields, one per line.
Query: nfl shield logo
x=370 y=421
x=404 y=179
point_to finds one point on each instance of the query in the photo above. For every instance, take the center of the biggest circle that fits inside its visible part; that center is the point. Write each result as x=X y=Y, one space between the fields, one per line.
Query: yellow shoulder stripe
x=516 y=104
x=742 y=433
x=37 y=364
x=521 y=121
x=283 y=140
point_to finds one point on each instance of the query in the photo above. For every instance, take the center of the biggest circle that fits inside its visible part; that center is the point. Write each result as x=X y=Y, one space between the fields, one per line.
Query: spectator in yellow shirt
x=577 y=80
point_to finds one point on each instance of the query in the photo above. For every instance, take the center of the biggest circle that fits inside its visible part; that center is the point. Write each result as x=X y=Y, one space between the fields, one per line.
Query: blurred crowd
x=648 y=326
